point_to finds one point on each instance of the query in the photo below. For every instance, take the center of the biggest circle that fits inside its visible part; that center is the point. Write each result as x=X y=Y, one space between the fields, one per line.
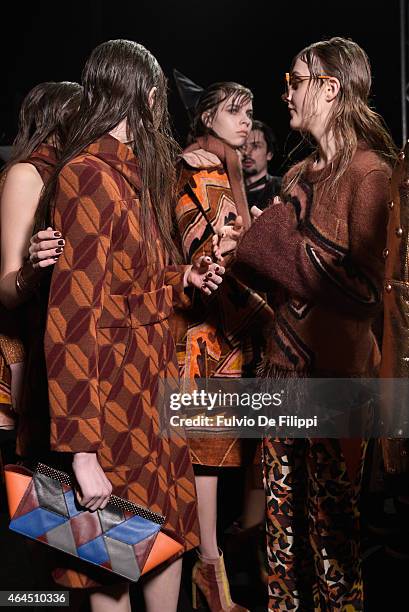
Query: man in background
x=258 y=151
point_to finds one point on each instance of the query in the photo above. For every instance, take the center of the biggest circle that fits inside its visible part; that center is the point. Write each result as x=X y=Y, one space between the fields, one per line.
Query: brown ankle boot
x=209 y=576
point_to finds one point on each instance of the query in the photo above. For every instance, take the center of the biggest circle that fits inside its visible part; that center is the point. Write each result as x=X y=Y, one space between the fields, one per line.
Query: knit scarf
x=230 y=161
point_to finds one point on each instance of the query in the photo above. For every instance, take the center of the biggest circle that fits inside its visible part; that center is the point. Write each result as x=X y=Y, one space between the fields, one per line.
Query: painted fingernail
x=56 y=258
x=217 y=269
x=57 y=234
x=58 y=250
x=209 y=275
x=61 y=242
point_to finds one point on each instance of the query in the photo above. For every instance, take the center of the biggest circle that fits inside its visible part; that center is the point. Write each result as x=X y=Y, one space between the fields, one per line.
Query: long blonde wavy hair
x=351 y=119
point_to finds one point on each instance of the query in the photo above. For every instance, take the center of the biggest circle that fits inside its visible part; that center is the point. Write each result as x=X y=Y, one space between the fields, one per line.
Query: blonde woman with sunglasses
x=321 y=247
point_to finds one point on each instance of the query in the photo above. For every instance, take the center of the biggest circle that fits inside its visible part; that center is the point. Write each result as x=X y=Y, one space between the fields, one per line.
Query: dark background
x=249 y=41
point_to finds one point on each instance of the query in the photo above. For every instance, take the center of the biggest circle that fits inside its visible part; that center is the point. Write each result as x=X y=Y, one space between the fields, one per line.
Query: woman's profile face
x=305 y=102
x=232 y=121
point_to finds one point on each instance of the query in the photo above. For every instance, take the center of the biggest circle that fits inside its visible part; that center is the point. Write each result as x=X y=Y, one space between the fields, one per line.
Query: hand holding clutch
x=123 y=538
x=94 y=487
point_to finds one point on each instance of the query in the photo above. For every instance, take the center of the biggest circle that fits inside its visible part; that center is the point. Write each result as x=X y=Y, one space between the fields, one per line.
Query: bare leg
x=206 y=487
x=113 y=598
x=161 y=592
x=209 y=573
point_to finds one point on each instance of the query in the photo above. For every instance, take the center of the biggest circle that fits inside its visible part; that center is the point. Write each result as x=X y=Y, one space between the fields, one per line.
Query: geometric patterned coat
x=108 y=342
x=220 y=336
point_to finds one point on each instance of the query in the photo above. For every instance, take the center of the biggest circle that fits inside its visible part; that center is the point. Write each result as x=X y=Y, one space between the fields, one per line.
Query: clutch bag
x=123 y=538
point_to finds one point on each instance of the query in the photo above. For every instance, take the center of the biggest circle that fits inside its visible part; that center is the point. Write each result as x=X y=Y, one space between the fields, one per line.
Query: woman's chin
x=235 y=141
x=294 y=123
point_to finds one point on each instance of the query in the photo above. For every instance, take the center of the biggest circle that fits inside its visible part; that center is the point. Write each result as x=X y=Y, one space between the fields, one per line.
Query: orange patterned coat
x=107 y=340
x=220 y=336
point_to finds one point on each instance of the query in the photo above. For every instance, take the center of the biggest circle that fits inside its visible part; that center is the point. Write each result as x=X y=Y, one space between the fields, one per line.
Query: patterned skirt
x=6 y=414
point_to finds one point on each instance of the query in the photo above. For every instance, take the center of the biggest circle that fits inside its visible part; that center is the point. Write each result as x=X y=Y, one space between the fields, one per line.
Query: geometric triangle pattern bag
x=123 y=538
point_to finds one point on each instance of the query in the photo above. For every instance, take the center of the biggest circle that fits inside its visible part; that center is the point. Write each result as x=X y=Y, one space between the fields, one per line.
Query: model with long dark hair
x=43 y=119
x=107 y=338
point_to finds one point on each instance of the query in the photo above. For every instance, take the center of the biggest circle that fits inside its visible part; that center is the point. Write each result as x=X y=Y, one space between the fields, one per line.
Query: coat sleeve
x=71 y=348
x=278 y=249
x=174 y=273
x=194 y=231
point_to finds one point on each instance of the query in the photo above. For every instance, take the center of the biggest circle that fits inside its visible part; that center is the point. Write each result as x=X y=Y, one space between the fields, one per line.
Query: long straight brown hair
x=45 y=112
x=117 y=79
x=352 y=120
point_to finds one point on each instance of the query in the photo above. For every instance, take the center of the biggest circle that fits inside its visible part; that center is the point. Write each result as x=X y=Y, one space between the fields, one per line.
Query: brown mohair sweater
x=322 y=256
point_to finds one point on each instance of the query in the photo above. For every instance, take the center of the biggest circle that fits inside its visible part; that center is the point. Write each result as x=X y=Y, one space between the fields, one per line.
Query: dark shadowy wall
x=249 y=41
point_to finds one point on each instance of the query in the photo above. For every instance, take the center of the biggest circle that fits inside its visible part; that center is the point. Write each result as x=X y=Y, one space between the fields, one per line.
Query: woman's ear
x=206 y=119
x=151 y=97
x=332 y=87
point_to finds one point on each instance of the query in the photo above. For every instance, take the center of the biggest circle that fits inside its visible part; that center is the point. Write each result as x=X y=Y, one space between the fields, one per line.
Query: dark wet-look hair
x=45 y=113
x=117 y=79
x=210 y=100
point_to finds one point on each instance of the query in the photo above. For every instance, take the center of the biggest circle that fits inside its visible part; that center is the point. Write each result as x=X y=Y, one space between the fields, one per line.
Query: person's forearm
x=17 y=286
x=8 y=291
